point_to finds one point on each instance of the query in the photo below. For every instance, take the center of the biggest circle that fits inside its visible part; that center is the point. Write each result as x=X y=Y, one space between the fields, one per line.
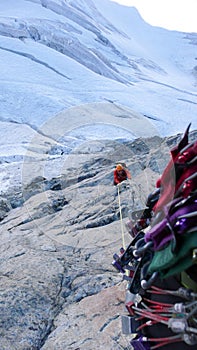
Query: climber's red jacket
x=121 y=175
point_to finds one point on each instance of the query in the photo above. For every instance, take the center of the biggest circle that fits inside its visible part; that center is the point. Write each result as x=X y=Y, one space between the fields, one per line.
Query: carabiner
x=137 y=253
x=145 y=284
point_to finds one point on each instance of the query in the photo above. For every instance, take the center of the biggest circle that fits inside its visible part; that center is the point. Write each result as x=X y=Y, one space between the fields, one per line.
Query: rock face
x=59 y=289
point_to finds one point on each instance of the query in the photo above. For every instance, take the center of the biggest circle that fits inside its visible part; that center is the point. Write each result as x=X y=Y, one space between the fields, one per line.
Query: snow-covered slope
x=57 y=54
x=75 y=70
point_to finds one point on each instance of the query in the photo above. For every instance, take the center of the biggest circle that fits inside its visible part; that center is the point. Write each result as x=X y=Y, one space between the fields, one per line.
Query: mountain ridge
x=76 y=53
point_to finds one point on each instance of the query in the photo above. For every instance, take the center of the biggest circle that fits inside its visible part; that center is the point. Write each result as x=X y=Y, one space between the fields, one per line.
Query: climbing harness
x=164 y=255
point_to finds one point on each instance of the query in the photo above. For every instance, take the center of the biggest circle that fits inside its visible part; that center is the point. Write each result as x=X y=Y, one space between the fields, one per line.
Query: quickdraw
x=164 y=255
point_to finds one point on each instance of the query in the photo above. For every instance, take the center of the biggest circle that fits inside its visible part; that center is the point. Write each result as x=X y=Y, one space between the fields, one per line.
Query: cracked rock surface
x=58 y=287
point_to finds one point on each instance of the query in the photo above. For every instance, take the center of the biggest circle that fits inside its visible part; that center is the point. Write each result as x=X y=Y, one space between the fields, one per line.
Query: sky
x=170 y=14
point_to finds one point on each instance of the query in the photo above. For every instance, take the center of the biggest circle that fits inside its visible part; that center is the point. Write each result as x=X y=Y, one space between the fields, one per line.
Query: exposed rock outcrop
x=58 y=287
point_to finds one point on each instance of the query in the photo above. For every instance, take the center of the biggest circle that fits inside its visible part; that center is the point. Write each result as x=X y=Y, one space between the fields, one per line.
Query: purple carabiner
x=140 y=344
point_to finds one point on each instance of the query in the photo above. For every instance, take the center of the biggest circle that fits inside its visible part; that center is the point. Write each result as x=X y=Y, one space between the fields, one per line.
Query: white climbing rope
x=121 y=221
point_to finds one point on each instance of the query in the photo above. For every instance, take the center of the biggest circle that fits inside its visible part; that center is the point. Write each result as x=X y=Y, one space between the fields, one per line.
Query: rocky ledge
x=59 y=289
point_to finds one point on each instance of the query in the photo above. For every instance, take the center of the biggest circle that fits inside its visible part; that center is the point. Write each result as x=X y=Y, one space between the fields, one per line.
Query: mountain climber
x=121 y=173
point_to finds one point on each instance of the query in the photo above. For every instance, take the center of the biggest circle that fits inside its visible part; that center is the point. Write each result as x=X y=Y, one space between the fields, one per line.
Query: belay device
x=160 y=265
